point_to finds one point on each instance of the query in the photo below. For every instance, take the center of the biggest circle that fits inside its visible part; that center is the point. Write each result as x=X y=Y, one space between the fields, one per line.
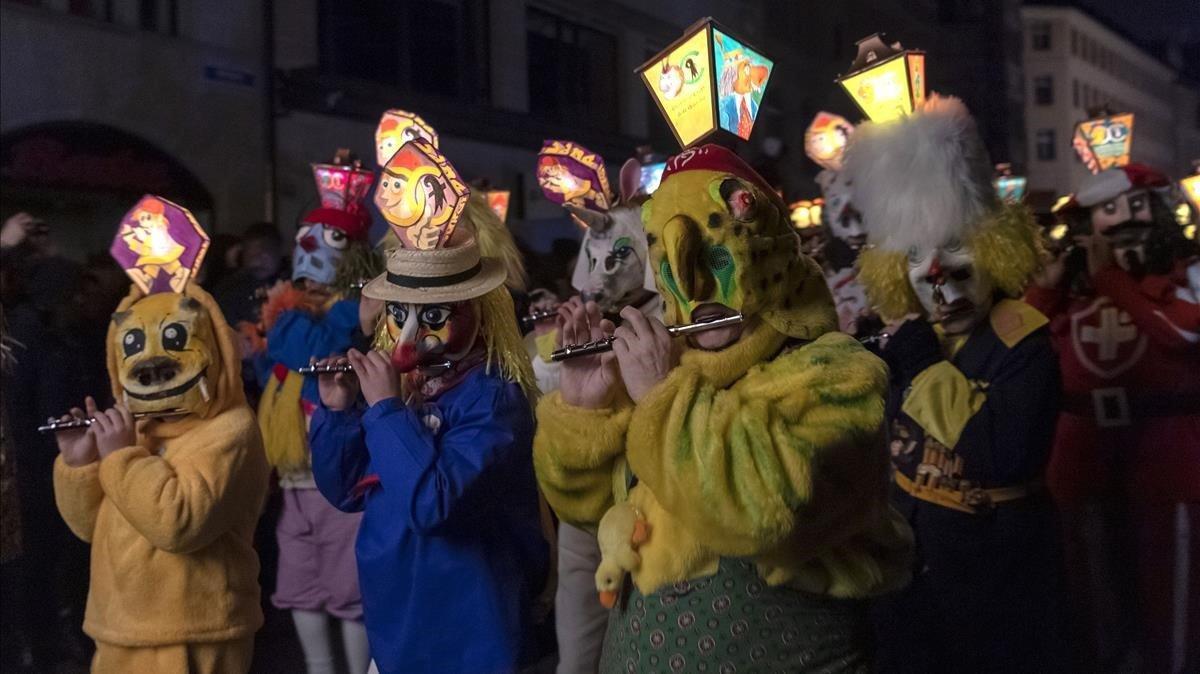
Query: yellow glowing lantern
x=806 y=213
x=1104 y=142
x=707 y=81
x=1191 y=191
x=886 y=81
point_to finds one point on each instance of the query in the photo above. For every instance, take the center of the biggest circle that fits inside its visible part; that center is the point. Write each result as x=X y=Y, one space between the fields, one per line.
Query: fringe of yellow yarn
x=496 y=241
x=502 y=340
x=1007 y=247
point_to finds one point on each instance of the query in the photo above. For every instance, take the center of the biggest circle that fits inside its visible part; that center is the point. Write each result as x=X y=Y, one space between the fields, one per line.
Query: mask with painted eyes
x=612 y=268
x=845 y=222
x=952 y=289
x=721 y=243
x=425 y=334
x=319 y=247
x=1127 y=208
x=166 y=354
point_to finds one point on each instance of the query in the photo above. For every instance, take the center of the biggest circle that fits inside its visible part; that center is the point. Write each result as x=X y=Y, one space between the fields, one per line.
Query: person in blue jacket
x=437 y=454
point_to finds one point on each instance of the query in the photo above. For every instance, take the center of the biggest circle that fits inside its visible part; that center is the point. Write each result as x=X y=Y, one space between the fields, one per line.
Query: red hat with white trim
x=1111 y=183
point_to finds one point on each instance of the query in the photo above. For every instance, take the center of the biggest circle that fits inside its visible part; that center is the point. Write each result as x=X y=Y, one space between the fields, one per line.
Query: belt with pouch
x=1116 y=407
x=971 y=500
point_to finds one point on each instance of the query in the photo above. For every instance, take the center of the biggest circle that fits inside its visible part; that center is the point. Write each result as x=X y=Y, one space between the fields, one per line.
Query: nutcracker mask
x=1124 y=205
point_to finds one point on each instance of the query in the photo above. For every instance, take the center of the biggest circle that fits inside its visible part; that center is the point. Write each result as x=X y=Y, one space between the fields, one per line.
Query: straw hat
x=453 y=274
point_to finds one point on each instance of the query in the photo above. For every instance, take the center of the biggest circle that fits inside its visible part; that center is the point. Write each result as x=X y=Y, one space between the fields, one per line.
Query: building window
x=436 y=47
x=1074 y=42
x=1043 y=90
x=570 y=71
x=1045 y=144
x=1039 y=33
x=1075 y=93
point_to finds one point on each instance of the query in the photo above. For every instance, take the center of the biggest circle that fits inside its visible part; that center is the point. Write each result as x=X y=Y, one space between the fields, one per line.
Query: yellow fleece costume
x=769 y=449
x=171 y=519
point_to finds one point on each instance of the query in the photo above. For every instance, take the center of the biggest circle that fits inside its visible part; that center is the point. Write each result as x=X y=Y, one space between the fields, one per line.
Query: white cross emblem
x=1115 y=329
x=1105 y=339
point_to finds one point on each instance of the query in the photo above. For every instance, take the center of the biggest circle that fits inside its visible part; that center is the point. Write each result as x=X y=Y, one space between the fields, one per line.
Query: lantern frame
x=1086 y=151
x=867 y=60
x=708 y=26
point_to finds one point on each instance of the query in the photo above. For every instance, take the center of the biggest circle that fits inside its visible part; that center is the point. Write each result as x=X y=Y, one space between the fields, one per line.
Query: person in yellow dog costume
x=752 y=457
x=169 y=504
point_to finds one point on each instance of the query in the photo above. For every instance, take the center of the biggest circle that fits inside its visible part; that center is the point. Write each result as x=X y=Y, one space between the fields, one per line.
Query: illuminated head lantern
x=569 y=173
x=397 y=127
x=721 y=242
x=421 y=196
x=939 y=241
x=327 y=232
x=168 y=347
x=444 y=300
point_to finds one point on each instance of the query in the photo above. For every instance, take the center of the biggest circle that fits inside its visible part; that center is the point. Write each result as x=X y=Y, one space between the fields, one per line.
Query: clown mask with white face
x=954 y=292
x=428 y=334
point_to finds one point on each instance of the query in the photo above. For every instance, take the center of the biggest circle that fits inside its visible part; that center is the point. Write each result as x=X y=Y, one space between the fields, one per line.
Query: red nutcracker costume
x=1127 y=445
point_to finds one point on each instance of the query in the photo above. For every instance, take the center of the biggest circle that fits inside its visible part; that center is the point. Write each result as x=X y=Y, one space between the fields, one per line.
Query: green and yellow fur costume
x=769 y=449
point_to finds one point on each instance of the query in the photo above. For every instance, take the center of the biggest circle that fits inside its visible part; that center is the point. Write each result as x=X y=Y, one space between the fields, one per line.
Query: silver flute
x=532 y=318
x=57 y=426
x=605 y=343
x=334 y=368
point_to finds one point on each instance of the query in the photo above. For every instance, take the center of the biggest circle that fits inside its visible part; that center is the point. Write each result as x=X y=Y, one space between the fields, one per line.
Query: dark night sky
x=1151 y=20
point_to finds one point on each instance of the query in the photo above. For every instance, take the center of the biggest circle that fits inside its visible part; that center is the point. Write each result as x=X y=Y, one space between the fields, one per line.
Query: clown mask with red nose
x=953 y=291
x=428 y=334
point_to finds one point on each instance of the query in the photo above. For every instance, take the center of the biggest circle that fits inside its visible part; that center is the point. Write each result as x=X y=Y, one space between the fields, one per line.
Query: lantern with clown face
x=342 y=219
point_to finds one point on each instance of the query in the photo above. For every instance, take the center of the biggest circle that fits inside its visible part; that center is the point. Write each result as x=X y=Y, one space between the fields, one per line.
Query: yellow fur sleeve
x=574 y=453
x=791 y=451
x=187 y=498
x=78 y=494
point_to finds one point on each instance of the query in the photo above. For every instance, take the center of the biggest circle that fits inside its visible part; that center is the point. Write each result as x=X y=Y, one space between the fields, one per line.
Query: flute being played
x=334 y=368
x=56 y=425
x=605 y=343
x=537 y=317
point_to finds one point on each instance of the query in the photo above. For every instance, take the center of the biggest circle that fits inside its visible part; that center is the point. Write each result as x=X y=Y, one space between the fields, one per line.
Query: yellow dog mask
x=166 y=354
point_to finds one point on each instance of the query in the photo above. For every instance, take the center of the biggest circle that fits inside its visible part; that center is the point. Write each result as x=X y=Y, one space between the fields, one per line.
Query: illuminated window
x=1045 y=145
x=1043 y=90
x=1039 y=35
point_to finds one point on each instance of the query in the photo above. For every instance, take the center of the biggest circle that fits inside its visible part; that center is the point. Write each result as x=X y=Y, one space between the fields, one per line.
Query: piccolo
x=334 y=368
x=605 y=343
x=56 y=426
x=537 y=317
